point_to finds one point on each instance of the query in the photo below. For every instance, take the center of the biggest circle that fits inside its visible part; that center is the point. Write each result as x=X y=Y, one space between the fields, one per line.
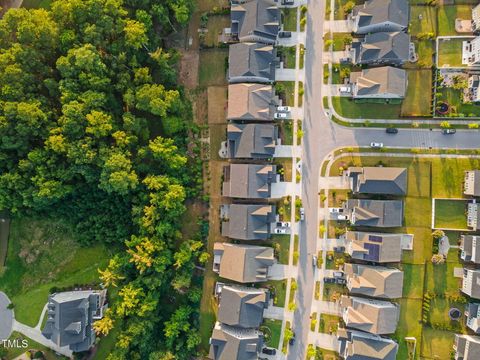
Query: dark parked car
x=269 y=351
x=340 y=281
x=328 y=280
x=339 y=249
x=391 y=130
x=292 y=340
x=285 y=34
x=449 y=131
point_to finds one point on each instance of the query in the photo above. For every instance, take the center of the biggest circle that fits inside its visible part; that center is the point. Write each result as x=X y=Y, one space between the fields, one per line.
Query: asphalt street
x=6 y=317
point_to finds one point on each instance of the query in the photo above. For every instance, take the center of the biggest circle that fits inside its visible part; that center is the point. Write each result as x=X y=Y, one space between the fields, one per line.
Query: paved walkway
x=338 y=26
x=6 y=317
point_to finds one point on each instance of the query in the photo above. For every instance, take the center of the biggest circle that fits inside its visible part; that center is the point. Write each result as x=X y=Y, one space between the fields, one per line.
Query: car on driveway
x=340 y=281
x=335 y=210
x=269 y=351
x=339 y=249
x=391 y=130
x=284 y=224
x=376 y=145
x=280 y=116
x=449 y=131
x=280 y=231
x=284 y=108
x=329 y=280
x=284 y=34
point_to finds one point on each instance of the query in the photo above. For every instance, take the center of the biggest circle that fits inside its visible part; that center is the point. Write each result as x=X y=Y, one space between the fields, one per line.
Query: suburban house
x=251 y=102
x=249 y=181
x=378 y=180
x=255 y=21
x=233 y=343
x=251 y=141
x=377 y=247
x=70 y=317
x=370 y=315
x=374 y=281
x=471 y=283
x=384 y=82
x=380 y=16
x=242 y=263
x=473 y=215
x=358 y=345
x=242 y=306
x=374 y=213
x=471 y=185
x=470 y=246
x=252 y=63
x=476 y=19
x=466 y=347
x=248 y=221
x=471 y=52
x=381 y=49
x=471 y=93
x=472 y=313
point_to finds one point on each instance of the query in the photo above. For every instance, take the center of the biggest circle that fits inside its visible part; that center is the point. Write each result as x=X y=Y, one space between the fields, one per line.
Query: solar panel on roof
x=375 y=238
x=373 y=252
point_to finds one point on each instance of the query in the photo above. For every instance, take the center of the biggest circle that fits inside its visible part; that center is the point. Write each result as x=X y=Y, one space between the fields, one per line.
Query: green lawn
x=107 y=343
x=281 y=244
x=450 y=53
x=4 y=232
x=350 y=109
x=286 y=90
x=439 y=278
x=324 y=354
x=409 y=325
x=339 y=41
x=450 y=214
x=448 y=14
x=12 y=352
x=413 y=280
x=280 y=289
x=425 y=50
x=289 y=19
x=423 y=20
x=340 y=13
x=212 y=68
x=328 y=323
x=457 y=107
x=418 y=100
x=36 y=4
x=274 y=332
x=436 y=344
x=215 y=26
x=43 y=254
x=287 y=54
x=286 y=132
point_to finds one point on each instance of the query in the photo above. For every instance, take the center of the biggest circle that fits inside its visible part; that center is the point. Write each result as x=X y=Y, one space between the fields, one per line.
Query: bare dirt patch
x=217 y=104
x=188 y=69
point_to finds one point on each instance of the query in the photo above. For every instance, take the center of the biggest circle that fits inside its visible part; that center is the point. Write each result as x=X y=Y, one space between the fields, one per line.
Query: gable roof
x=242 y=306
x=248 y=221
x=467 y=347
x=472 y=183
x=379 y=180
x=472 y=312
x=374 y=281
x=230 y=343
x=470 y=246
x=471 y=283
x=256 y=21
x=370 y=315
x=381 y=11
x=255 y=141
x=388 y=47
x=384 y=81
x=251 y=62
x=248 y=101
x=357 y=345
x=377 y=247
x=249 y=181
x=243 y=263
x=375 y=213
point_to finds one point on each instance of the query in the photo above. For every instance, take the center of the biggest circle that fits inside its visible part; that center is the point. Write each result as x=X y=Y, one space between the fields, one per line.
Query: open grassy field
x=450 y=214
x=43 y=254
x=350 y=109
x=423 y=20
x=450 y=53
x=212 y=69
x=418 y=100
x=447 y=15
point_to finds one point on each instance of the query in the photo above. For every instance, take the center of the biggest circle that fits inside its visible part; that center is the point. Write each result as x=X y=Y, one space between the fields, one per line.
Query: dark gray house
x=251 y=141
x=70 y=316
x=374 y=213
x=252 y=63
x=249 y=221
x=466 y=347
x=232 y=343
x=471 y=283
x=470 y=246
x=378 y=180
x=380 y=16
x=248 y=181
x=381 y=49
x=242 y=306
x=255 y=21
x=359 y=345
x=251 y=102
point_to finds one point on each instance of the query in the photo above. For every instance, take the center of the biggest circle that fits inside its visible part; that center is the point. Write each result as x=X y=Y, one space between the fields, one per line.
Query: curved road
x=321 y=136
x=6 y=317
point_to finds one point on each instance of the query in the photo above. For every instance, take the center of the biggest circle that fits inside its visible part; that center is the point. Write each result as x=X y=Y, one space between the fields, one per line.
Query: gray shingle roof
x=382 y=82
x=256 y=141
x=384 y=48
x=254 y=102
x=376 y=247
x=357 y=345
x=248 y=221
x=244 y=263
x=467 y=347
x=379 y=180
x=473 y=316
x=230 y=343
x=256 y=21
x=472 y=183
x=242 y=306
x=249 y=181
x=470 y=246
x=471 y=283
x=382 y=15
x=252 y=62
x=375 y=213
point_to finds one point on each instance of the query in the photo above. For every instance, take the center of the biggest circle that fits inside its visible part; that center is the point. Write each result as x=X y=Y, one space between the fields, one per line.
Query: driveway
x=6 y=317
x=339 y=26
x=296 y=38
x=287 y=75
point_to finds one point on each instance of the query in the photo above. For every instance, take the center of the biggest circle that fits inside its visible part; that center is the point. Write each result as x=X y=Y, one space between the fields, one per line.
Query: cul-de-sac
x=240 y=179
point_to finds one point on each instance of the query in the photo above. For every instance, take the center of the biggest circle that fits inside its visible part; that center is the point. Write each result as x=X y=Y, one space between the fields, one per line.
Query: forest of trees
x=94 y=130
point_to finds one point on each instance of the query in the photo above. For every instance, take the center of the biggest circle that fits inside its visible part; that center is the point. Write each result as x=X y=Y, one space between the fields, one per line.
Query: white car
x=280 y=231
x=335 y=210
x=283 y=108
x=375 y=145
x=302 y=214
x=281 y=224
x=280 y=116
